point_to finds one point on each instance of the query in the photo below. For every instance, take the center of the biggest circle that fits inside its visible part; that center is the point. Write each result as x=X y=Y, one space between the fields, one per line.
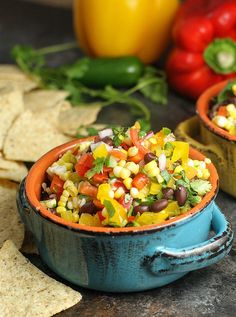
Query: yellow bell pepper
x=124 y=27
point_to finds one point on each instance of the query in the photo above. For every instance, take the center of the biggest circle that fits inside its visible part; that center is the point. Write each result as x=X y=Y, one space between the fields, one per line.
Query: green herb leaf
x=166 y=131
x=78 y=69
x=200 y=186
x=118 y=135
x=97 y=167
x=154 y=85
x=109 y=207
x=226 y=92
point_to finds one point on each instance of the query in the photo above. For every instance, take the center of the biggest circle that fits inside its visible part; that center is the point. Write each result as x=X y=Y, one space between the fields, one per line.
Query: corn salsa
x=125 y=177
x=223 y=109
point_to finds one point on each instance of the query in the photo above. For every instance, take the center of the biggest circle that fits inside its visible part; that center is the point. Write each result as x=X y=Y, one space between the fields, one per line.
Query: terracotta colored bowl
x=37 y=174
x=124 y=259
x=214 y=142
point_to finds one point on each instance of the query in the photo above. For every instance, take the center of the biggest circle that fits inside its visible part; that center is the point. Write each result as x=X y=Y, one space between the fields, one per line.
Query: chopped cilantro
x=119 y=134
x=97 y=167
x=166 y=176
x=166 y=131
x=200 y=186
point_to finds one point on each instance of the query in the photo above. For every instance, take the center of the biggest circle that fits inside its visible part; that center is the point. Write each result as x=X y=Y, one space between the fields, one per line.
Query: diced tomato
x=107 y=169
x=131 y=218
x=125 y=146
x=222 y=111
x=124 y=203
x=100 y=178
x=118 y=183
x=140 y=180
x=137 y=158
x=57 y=186
x=101 y=217
x=98 y=203
x=86 y=188
x=136 y=141
x=118 y=154
x=84 y=164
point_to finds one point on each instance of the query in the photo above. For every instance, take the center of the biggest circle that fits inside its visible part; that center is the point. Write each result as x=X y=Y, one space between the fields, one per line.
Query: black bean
x=148 y=157
x=168 y=193
x=140 y=209
x=181 y=195
x=88 y=208
x=107 y=140
x=159 y=205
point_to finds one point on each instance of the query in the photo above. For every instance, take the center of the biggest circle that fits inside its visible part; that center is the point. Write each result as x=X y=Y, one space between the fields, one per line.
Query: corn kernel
x=111 y=194
x=122 y=163
x=134 y=168
x=199 y=173
x=134 y=192
x=128 y=182
x=125 y=173
x=63 y=198
x=220 y=121
x=62 y=203
x=117 y=170
x=230 y=107
x=119 y=192
x=207 y=160
x=61 y=209
x=69 y=205
x=132 y=151
x=205 y=174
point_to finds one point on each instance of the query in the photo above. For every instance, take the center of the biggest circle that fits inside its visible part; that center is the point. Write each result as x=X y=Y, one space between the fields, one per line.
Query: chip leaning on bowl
x=125 y=177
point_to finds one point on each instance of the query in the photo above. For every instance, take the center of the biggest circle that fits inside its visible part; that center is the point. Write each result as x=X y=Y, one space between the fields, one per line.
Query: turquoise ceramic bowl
x=124 y=259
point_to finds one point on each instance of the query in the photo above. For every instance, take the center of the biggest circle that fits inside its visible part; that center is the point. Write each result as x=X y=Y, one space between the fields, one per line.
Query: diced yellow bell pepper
x=190 y=171
x=100 y=151
x=155 y=188
x=148 y=218
x=104 y=192
x=119 y=218
x=181 y=152
x=89 y=220
x=172 y=209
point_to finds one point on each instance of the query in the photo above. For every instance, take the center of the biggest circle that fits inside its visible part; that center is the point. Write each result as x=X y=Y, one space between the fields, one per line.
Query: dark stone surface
x=207 y=292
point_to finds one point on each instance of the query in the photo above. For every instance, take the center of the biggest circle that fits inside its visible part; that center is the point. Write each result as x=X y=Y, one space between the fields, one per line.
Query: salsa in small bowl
x=143 y=211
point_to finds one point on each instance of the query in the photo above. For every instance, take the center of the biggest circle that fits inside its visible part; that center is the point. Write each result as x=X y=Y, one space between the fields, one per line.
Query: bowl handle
x=170 y=260
x=189 y=131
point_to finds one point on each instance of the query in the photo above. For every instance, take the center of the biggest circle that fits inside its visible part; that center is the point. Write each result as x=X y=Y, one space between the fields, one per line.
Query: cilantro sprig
x=151 y=85
x=98 y=165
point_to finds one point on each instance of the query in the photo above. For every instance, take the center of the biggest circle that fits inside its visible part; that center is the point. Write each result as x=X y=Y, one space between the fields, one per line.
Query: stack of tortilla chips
x=32 y=122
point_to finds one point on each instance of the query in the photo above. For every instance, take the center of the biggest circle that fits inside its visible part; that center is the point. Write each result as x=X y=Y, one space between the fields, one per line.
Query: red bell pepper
x=57 y=186
x=84 y=164
x=204 y=34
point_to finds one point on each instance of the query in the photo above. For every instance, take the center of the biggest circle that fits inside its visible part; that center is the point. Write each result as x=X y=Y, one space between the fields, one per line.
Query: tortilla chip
x=30 y=137
x=70 y=120
x=11 y=74
x=27 y=291
x=11 y=226
x=12 y=170
x=11 y=104
x=43 y=99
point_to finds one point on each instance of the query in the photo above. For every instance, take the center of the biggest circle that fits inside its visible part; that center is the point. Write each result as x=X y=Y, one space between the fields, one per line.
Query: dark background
x=207 y=292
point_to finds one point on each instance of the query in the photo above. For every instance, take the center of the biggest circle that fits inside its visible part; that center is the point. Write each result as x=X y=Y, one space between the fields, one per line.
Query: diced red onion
x=148 y=135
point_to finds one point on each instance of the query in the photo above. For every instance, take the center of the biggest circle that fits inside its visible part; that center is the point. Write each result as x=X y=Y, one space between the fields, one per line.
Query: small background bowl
x=124 y=259
x=214 y=142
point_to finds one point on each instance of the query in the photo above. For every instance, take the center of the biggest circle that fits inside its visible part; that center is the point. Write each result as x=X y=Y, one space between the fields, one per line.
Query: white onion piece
x=106 y=132
x=169 y=138
x=162 y=162
x=93 y=146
